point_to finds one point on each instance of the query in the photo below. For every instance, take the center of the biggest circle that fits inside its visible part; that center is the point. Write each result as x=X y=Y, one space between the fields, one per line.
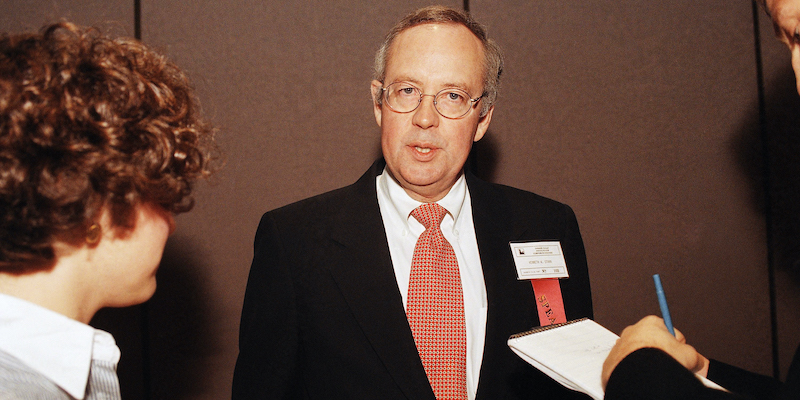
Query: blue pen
x=662 y=302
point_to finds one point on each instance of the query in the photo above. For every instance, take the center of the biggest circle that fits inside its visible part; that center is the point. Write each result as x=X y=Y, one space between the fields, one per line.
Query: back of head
x=493 y=58
x=87 y=124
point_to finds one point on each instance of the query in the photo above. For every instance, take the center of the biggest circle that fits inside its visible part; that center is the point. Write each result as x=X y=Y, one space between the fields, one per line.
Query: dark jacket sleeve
x=743 y=382
x=652 y=374
x=790 y=390
x=758 y=386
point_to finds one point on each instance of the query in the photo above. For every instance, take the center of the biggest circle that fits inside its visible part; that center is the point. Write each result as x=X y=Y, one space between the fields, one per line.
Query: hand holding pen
x=655 y=332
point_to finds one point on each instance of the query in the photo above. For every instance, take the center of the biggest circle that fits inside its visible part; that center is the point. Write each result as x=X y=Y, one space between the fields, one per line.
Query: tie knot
x=429 y=214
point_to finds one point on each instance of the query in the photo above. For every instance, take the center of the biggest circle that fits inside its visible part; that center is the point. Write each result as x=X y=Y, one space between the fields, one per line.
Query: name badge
x=539 y=260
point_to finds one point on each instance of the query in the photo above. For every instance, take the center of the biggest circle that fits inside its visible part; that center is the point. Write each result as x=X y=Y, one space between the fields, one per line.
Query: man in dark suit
x=332 y=278
x=649 y=363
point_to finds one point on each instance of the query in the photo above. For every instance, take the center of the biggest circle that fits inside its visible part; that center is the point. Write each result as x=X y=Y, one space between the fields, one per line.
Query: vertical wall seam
x=137 y=19
x=763 y=132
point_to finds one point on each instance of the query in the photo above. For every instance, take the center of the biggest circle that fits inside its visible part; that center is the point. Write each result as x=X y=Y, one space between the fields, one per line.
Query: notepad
x=572 y=353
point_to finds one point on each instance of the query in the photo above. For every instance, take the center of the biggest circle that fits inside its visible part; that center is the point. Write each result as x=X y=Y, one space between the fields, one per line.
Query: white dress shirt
x=60 y=348
x=402 y=231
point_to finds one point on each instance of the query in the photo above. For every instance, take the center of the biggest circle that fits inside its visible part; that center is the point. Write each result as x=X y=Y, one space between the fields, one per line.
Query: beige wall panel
x=288 y=84
x=30 y=15
x=639 y=114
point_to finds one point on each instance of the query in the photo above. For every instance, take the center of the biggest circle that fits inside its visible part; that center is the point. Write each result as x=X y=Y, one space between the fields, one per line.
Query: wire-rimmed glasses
x=453 y=103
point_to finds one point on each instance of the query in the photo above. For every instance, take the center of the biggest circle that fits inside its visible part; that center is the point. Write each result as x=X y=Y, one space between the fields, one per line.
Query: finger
x=652 y=319
x=679 y=336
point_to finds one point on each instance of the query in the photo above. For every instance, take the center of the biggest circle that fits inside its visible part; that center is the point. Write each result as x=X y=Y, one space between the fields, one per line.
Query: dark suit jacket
x=323 y=317
x=652 y=374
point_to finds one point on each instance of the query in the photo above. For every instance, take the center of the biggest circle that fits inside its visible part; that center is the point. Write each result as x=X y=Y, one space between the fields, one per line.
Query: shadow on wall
x=782 y=158
x=483 y=158
x=164 y=341
x=126 y=326
x=180 y=335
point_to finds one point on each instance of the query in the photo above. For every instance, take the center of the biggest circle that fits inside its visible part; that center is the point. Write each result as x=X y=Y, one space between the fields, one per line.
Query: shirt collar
x=401 y=203
x=58 y=347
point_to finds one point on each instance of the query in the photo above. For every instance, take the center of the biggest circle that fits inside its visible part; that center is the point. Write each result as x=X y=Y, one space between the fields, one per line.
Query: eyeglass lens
x=451 y=102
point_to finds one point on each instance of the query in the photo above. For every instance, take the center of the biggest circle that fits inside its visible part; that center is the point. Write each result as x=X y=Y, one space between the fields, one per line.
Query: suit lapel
x=362 y=268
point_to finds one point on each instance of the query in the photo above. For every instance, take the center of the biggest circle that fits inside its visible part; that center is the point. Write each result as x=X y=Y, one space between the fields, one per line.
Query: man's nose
x=426 y=116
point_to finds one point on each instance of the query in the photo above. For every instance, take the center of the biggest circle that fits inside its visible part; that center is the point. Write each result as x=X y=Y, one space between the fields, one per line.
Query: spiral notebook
x=572 y=353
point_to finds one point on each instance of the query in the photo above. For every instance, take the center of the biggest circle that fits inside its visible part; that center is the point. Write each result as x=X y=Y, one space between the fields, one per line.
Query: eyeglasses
x=453 y=103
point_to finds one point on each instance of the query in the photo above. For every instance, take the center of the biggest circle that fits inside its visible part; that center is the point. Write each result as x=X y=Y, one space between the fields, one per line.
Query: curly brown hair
x=89 y=123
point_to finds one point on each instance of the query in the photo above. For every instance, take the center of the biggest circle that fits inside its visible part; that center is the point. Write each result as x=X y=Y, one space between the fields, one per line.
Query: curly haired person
x=101 y=141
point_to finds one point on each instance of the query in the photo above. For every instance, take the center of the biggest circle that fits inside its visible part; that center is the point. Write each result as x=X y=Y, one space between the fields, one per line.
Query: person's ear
x=483 y=124
x=377 y=96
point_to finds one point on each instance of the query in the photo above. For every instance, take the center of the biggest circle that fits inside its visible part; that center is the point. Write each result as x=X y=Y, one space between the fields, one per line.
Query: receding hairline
x=480 y=45
x=492 y=54
x=481 y=57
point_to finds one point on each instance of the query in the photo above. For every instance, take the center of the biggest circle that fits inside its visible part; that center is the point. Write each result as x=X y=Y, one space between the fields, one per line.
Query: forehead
x=436 y=54
x=783 y=9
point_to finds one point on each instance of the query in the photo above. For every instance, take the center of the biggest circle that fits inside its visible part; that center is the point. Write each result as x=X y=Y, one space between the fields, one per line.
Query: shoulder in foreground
x=495 y=192
x=328 y=201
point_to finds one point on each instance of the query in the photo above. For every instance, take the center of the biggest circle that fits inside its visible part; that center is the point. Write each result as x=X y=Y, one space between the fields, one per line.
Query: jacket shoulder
x=522 y=202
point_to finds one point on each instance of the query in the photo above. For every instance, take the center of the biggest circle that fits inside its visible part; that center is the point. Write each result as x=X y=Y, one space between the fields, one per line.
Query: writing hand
x=650 y=331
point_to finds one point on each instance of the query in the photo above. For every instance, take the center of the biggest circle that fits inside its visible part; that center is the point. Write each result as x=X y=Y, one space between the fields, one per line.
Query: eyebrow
x=446 y=85
x=785 y=34
x=406 y=79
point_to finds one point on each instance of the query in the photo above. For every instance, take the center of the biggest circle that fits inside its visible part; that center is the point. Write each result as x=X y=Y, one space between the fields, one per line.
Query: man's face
x=424 y=151
x=786 y=17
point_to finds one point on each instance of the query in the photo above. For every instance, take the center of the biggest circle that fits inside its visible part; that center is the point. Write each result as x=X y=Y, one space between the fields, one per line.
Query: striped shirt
x=45 y=355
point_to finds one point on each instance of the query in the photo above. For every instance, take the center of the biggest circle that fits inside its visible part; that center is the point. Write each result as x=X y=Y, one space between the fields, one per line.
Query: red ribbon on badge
x=549 y=301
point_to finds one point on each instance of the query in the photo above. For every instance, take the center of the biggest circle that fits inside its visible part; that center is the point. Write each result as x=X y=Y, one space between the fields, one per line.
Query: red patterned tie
x=435 y=308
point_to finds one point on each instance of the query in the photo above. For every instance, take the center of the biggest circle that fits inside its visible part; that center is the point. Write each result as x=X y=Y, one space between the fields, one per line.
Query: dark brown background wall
x=649 y=118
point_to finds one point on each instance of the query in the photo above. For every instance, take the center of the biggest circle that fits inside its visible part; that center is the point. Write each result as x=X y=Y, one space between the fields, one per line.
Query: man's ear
x=483 y=125
x=375 y=88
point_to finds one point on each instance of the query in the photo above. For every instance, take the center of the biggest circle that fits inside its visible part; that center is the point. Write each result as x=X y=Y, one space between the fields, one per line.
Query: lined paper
x=571 y=353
